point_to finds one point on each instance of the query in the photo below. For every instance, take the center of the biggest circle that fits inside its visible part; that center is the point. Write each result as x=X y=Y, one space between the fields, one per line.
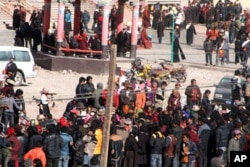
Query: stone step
x=88 y=5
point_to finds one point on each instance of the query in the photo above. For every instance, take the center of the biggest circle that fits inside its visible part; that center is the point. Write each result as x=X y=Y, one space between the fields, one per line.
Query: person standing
x=188 y=151
x=67 y=20
x=85 y=18
x=204 y=135
x=161 y=98
x=169 y=151
x=67 y=141
x=246 y=92
x=37 y=38
x=236 y=87
x=193 y=94
x=15 y=144
x=160 y=30
x=10 y=103
x=234 y=143
x=177 y=48
x=190 y=32
x=16 y=18
x=44 y=103
x=146 y=17
x=52 y=145
x=208 y=47
x=156 y=143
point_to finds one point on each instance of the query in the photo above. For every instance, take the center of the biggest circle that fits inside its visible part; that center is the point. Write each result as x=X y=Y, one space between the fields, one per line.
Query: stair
x=6 y=14
x=88 y=5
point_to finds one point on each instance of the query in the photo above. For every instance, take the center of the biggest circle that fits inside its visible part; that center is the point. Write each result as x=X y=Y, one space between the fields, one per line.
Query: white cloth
x=44 y=99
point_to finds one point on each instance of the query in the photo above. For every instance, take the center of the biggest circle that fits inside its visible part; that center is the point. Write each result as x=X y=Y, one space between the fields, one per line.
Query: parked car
x=23 y=59
x=223 y=91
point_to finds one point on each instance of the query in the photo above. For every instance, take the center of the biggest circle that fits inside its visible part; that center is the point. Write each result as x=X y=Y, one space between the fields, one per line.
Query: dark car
x=223 y=91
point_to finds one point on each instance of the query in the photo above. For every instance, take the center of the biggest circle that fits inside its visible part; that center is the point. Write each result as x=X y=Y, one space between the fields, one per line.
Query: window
x=21 y=56
x=5 y=55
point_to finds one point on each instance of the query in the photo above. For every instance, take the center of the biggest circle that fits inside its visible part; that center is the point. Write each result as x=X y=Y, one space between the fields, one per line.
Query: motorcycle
x=140 y=72
x=179 y=74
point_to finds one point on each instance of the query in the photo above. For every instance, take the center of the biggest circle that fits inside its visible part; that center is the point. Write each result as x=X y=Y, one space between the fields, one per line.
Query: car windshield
x=225 y=82
x=5 y=55
x=21 y=56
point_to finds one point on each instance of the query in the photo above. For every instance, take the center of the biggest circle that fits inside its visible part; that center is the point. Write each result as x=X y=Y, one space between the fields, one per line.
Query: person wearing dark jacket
x=160 y=30
x=156 y=143
x=27 y=34
x=88 y=91
x=78 y=147
x=130 y=149
x=52 y=145
x=79 y=90
x=20 y=102
x=208 y=48
x=190 y=33
x=222 y=135
x=34 y=137
x=115 y=148
x=23 y=139
x=143 y=141
x=178 y=131
x=204 y=135
x=37 y=38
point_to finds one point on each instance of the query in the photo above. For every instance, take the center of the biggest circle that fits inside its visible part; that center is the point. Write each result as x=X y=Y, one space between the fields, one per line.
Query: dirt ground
x=63 y=83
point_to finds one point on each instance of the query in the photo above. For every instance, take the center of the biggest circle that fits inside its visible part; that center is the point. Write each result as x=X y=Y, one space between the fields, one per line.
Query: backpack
x=73 y=43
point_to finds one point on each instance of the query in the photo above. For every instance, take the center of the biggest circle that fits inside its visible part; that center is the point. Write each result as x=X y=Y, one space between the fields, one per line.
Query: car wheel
x=18 y=78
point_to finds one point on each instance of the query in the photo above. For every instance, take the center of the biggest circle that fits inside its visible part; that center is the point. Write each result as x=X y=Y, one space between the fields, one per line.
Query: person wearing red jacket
x=104 y=97
x=14 y=145
x=192 y=130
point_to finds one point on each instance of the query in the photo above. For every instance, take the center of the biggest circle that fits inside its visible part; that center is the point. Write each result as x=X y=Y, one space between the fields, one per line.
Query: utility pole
x=109 y=107
x=172 y=38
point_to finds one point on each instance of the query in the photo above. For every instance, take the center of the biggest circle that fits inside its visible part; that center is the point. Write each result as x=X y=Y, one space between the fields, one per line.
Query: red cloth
x=145 y=40
x=194 y=137
x=15 y=148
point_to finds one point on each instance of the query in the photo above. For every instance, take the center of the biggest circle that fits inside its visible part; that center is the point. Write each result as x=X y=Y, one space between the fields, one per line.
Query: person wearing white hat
x=234 y=142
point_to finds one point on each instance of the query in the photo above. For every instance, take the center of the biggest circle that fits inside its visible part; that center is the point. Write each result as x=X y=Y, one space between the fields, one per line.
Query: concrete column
x=60 y=28
x=134 y=33
x=77 y=18
x=105 y=26
x=46 y=19
x=120 y=14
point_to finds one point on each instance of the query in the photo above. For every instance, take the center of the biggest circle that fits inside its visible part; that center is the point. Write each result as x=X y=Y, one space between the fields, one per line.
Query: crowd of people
x=149 y=127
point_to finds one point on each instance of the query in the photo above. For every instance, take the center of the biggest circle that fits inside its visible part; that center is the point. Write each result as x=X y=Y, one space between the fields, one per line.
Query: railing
x=73 y=50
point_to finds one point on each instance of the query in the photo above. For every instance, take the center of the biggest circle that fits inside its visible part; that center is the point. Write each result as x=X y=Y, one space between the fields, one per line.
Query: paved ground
x=194 y=54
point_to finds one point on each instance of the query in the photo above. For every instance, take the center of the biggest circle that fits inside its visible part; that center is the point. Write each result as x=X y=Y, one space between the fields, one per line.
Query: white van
x=23 y=59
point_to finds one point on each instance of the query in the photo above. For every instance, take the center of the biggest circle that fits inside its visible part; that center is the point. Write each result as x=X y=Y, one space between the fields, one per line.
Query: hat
x=101 y=111
x=83 y=113
x=196 y=108
x=127 y=121
x=10 y=131
x=74 y=111
x=63 y=122
x=192 y=127
x=40 y=117
x=121 y=123
x=236 y=132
